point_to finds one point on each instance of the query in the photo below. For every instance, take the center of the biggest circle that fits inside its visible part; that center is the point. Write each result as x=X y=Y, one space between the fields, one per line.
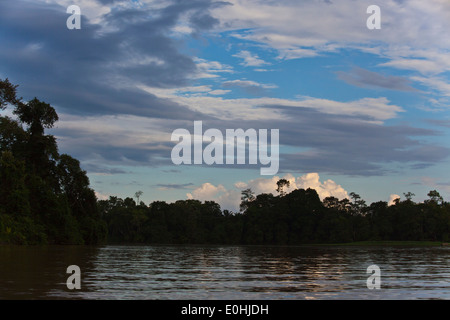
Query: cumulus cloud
x=231 y=198
x=206 y=191
x=101 y=196
x=328 y=188
x=392 y=199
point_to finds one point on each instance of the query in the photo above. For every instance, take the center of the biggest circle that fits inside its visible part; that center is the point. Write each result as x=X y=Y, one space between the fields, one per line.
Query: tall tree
x=435 y=197
x=247 y=196
x=281 y=184
x=42 y=149
x=138 y=194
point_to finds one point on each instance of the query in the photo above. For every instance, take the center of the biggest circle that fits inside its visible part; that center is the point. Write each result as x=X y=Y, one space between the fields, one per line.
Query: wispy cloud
x=250 y=59
x=252 y=87
x=364 y=78
x=168 y=186
x=439 y=85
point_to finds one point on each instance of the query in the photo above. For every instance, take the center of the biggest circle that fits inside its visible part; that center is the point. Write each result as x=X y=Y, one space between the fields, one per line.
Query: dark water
x=224 y=272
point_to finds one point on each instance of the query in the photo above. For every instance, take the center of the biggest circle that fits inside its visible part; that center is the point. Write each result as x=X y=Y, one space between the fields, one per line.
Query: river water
x=224 y=272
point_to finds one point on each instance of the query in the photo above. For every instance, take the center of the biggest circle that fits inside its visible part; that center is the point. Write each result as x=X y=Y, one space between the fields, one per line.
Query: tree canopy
x=45 y=196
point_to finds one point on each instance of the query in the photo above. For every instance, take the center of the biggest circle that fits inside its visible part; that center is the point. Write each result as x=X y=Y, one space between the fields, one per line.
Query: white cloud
x=250 y=60
x=101 y=196
x=440 y=85
x=413 y=36
x=227 y=199
x=210 y=69
x=116 y=131
x=218 y=92
x=206 y=192
x=421 y=65
x=288 y=54
x=378 y=109
x=247 y=84
x=231 y=198
x=328 y=188
x=393 y=197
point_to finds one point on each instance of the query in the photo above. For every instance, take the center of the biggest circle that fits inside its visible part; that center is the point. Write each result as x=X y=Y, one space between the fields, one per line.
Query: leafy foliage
x=45 y=196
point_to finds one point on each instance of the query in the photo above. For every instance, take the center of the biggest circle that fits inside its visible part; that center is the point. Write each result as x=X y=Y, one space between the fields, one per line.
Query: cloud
x=316 y=141
x=393 y=197
x=374 y=109
x=113 y=53
x=435 y=184
x=101 y=196
x=230 y=198
x=167 y=186
x=441 y=86
x=250 y=59
x=249 y=86
x=105 y=141
x=364 y=78
x=439 y=122
x=123 y=82
x=102 y=170
x=421 y=65
x=412 y=34
x=209 y=192
x=211 y=69
x=328 y=188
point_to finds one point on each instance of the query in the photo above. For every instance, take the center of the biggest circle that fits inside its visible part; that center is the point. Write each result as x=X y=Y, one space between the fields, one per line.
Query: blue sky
x=357 y=109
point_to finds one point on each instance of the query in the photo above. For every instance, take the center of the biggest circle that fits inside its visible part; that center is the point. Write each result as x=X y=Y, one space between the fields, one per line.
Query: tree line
x=45 y=197
x=294 y=218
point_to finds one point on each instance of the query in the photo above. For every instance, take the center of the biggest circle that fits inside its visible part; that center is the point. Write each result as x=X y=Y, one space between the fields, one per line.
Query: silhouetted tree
x=281 y=184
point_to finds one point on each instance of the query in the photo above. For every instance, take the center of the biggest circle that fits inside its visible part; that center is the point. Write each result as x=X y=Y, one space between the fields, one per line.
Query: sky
x=358 y=109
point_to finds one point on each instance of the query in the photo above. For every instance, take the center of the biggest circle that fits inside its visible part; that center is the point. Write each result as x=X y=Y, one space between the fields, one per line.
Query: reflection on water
x=224 y=272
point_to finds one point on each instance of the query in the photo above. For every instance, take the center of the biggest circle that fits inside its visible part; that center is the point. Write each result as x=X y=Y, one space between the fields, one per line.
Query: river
x=224 y=272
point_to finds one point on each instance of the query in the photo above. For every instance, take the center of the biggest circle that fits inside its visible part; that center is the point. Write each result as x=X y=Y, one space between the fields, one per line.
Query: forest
x=46 y=198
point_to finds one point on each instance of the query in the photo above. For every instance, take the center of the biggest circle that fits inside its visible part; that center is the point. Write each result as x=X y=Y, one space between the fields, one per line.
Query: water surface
x=224 y=272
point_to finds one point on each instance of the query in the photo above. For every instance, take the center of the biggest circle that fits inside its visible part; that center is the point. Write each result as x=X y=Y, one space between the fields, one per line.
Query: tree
x=37 y=115
x=13 y=190
x=247 y=196
x=435 y=197
x=409 y=195
x=358 y=203
x=137 y=195
x=8 y=94
x=44 y=197
x=13 y=137
x=280 y=186
x=331 y=202
x=42 y=150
